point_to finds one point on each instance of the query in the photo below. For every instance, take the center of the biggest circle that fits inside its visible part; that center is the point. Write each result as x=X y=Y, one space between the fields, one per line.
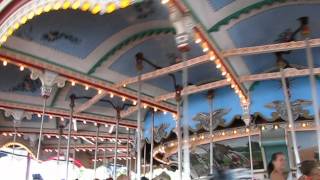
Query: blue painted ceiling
x=265 y=28
x=79 y=33
x=218 y=4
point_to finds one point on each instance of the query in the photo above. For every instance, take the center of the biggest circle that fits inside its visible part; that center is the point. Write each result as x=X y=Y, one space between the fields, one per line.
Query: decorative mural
x=26 y=85
x=19 y=82
x=58 y=35
x=228 y=154
x=267 y=101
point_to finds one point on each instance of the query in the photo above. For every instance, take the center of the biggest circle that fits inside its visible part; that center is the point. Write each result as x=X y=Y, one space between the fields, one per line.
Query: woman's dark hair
x=307 y=167
x=274 y=157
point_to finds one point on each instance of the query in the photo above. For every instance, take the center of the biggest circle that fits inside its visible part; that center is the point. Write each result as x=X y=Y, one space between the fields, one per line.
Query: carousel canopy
x=91 y=49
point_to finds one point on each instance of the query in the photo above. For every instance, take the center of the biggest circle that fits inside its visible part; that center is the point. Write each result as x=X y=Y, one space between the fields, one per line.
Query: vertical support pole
x=290 y=118
x=144 y=158
x=14 y=137
x=139 y=66
x=128 y=153
x=185 y=118
x=313 y=91
x=247 y=119
x=74 y=154
x=210 y=99
x=152 y=144
x=41 y=125
x=28 y=167
x=116 y=146
x=96 y=152
x=250 y=153
x=72 y=98
x=59 y=145
x=179 y=141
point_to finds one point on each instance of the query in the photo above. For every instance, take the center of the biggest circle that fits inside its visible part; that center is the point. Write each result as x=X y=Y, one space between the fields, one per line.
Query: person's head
x=310 y=169
x=278 y=162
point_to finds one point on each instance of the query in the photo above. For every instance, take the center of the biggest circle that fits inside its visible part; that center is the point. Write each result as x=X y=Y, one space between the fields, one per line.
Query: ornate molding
x=48 y=78
x=81 y=78
x=65 y=113
x=17 y=115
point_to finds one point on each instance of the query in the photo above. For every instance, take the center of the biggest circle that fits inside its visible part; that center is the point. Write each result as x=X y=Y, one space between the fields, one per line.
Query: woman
x=310 y=170
x=276 y=167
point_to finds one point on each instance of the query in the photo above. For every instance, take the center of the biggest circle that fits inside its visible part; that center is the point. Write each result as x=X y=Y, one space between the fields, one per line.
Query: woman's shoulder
x=276 y=176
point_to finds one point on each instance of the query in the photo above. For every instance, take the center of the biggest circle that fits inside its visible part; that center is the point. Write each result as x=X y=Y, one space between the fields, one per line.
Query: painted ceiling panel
x=14 y=81
x=160 y=51
x=79 y=33
x=218 y=4
x=265 y=28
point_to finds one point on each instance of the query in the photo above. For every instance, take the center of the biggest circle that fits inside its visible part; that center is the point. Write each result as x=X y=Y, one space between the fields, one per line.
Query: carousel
x=157 y=89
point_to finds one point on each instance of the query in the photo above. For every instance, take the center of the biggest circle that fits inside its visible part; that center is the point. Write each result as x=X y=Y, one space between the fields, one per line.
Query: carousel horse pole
x=74 y=153
x=128 y=153
x=139 y=67
x=185 y=115
x=247 y=119
x=116 y=145
x=144 y=157
x=59 y=144
x=96 y=151
x=289 y=114
x=210 y=101
x=306 y=32
x=14 y=136
x=72 y=99
x=178 y=127
x=152 y=144
x=45 y=92
x=28 y=166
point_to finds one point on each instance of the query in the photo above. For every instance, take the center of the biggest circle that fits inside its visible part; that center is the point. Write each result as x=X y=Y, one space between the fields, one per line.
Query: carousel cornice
x=52 y=133
x=64 y=114
x=164 y=150
x=102 y=87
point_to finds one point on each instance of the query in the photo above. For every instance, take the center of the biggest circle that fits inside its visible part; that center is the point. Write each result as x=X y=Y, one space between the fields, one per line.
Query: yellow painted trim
x=24 y=14
x=7 y=145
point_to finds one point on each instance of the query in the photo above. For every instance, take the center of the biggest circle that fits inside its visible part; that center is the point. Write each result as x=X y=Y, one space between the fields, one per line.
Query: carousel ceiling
x=94 y=50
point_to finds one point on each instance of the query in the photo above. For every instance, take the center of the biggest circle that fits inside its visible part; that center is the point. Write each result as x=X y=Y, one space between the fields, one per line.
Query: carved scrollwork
x=217 y=119
x=48 y=80
x=297 y=107
x=160 y=132
x=17 y=115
